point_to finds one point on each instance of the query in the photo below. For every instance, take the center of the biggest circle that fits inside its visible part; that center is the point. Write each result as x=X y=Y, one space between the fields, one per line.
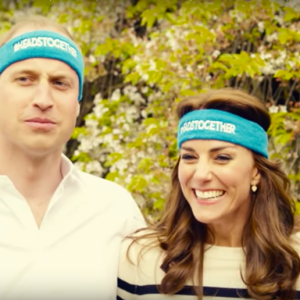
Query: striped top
x=221 y=275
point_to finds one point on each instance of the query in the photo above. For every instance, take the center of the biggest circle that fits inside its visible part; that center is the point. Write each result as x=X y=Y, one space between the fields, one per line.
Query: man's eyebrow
x=24 y=71
x=59 y=75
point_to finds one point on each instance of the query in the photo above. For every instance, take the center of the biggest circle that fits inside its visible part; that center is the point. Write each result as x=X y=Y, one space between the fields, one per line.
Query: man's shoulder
x=99 y=183
x=295 y=241
x=104 y=194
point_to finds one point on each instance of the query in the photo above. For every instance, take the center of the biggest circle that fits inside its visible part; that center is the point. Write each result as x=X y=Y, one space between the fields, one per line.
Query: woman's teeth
x=209 y=195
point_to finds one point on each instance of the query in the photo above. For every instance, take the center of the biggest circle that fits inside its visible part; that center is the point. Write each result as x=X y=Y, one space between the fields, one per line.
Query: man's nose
x=43 y=98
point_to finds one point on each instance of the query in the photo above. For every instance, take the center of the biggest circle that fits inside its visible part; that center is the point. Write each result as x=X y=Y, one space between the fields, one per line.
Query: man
x=60 y=228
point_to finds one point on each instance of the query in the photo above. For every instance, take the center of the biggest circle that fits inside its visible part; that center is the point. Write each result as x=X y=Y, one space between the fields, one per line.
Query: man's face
x=38 y=105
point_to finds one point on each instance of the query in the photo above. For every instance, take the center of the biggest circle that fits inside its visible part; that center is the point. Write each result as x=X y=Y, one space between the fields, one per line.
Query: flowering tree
x=144 y=56
x=184 y=51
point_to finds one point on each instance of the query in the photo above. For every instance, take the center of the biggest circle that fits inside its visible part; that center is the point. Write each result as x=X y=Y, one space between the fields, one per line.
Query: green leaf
x=290 y=15
x=137 y=184
x=112 y=176
x=297 y=204
x=81 y=157
x=225 y=57
x=285 y=138
x=283 y=74
x=112 y=158
x=159 y=204
x=150 y=121
x=284 y=36
x=148 y=17
x=154 y=76
x=63 y=18
x=133 y=78
x=145 y=164
x=128 y=65
x=102 y=49
x=78 y=131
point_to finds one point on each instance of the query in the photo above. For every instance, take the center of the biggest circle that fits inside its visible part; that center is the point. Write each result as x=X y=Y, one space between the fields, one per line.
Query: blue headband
x=44 y=44
x=213 y=124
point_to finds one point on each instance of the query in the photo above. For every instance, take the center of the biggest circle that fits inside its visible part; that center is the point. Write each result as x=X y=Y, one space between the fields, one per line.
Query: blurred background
x=143 y=56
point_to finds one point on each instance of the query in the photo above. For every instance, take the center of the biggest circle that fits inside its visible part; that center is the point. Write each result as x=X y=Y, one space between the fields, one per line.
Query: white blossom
x=91 y=123
x=265 y=55
x=216 y=53
x=152 y=65
x=282 y=108
x=279 y=19
x=86 y=145
x=145 y=77
x=116 y=95
x=207 y=78
x=79 y=165
x=129 y=89
x=268 y=69
x=272 y=37
x=273 y=109
x=92 y=58
x=261 y=26
x=99 y=110
x=94 y=167
x=145 y=90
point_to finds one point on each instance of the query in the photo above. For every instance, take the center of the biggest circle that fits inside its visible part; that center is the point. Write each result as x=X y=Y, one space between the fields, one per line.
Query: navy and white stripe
x=139 y=279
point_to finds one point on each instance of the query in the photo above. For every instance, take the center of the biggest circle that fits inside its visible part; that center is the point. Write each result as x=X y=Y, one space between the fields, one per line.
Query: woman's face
x=216 y=179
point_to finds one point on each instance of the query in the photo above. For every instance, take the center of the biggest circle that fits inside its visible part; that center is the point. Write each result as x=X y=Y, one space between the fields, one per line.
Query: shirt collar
x=66 y=166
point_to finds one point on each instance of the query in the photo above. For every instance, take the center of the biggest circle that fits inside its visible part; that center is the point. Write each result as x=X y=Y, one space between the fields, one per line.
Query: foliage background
x=142 y=56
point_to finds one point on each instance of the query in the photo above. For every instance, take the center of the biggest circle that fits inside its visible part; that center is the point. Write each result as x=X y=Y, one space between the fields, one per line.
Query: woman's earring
x=254 y=188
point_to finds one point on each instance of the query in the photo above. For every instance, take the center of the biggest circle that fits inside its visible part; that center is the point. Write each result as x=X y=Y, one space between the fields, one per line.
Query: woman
x=228 y=228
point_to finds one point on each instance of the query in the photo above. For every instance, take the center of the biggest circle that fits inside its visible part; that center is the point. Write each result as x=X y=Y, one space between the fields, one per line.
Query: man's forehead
x=32 y=28
x=42 y=65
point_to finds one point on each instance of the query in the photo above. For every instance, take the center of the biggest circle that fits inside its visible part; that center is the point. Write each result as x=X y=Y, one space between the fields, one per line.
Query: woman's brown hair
x=272 y=265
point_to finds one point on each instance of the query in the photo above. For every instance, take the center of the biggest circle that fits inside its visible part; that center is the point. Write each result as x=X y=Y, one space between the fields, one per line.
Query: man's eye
x=23 y=79
x=61 y=84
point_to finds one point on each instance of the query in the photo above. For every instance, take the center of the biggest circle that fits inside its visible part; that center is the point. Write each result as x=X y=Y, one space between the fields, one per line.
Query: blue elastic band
x=213 y=124
x=43 y=44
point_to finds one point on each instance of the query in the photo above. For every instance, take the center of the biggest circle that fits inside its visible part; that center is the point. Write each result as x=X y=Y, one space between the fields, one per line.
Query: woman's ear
x=255 y=177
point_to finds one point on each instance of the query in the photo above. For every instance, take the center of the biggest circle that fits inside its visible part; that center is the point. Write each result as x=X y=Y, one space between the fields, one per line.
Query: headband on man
x=43 y=44
x=214 y=124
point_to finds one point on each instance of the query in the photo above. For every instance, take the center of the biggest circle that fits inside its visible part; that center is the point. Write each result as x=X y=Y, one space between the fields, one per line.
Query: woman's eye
x=223 y=157
x=187 y=157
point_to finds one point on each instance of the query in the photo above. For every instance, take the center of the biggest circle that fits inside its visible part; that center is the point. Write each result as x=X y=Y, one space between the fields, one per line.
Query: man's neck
x=35 y=177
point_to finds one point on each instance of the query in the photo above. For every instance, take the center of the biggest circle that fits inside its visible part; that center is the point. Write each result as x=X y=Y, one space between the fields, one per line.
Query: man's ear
x=78 y=109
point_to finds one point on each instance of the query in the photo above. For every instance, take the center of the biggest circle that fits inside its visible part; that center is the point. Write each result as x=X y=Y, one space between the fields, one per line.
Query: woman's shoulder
x=141 y=242
x=142 y=251
x=140 y=254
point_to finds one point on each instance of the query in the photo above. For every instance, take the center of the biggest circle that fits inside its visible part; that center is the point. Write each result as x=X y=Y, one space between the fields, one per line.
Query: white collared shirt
x=74 y=253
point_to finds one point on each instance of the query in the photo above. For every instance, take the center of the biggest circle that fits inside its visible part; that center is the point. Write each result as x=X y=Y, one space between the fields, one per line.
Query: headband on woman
x=43 y=44
x=214 y=124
